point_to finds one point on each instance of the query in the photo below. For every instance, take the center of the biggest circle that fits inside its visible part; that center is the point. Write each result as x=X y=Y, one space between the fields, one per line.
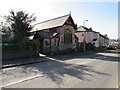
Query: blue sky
x=101 y=16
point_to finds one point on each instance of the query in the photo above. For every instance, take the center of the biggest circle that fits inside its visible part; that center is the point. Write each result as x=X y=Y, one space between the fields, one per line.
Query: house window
x=67 y=37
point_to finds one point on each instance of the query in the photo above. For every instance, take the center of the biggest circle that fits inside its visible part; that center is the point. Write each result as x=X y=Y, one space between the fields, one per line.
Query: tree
x=6 y=33
x=6 y=30
x=20 y=23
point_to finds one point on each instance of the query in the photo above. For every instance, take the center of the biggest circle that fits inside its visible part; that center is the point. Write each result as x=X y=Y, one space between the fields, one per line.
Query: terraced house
x=91 y=40
x=87 y=36
x=55 y=35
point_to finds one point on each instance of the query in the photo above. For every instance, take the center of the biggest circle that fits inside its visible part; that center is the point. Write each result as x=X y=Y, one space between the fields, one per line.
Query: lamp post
x=84 y=22
x=84 y=46
x=84 y=42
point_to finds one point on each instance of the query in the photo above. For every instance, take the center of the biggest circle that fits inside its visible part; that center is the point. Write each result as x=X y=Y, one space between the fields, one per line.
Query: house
x=114 y=43
x=87 y=36
x=103 y=40
x=55 y=35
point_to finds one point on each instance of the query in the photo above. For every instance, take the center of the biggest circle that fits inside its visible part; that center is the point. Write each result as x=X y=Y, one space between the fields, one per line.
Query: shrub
x=89 y=46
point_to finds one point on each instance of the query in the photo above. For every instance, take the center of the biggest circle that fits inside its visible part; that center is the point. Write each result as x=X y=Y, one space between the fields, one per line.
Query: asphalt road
x=98 y=70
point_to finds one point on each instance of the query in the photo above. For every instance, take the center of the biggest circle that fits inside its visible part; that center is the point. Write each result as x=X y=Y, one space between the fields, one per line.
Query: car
x=117 y=50
x=111 y=48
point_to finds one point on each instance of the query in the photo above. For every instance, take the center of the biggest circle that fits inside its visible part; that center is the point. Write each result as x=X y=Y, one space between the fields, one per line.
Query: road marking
x=21 y=81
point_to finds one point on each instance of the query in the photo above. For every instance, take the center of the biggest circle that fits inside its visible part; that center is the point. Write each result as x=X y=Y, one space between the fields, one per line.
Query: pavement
x=95 y=70
x=20 y=62
x=43 y=58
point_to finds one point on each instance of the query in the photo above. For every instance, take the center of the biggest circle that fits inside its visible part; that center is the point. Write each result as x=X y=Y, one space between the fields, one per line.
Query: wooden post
x=50 y=45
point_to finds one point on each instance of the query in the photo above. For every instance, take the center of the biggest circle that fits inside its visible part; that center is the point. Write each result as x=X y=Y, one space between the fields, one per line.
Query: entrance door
x=41 y=45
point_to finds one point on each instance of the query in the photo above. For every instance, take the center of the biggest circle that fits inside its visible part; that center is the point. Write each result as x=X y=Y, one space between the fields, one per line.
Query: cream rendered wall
x=96 y=36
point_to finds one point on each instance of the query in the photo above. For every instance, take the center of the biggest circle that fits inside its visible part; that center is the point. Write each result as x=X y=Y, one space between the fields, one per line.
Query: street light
x=84 y=43
x=84 y=22
x=84 y=36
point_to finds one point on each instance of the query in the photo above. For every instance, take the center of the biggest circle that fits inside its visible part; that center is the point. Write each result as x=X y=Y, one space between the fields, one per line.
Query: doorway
x=41 y=46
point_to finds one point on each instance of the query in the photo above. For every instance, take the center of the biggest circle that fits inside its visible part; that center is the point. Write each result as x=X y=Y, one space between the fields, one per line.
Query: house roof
x=59 y=21
x=48 y=35
x=104 y=36
x=82 y=28
x=85 y=29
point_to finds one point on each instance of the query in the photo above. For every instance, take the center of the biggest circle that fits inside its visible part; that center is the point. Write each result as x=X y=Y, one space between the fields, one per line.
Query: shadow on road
x=56 y=70
x=89 y=55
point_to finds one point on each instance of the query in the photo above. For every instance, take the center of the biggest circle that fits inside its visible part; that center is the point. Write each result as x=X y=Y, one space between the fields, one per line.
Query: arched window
x=67 y=37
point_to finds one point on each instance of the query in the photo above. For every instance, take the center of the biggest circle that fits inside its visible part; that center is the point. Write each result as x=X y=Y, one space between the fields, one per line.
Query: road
x=97 y=70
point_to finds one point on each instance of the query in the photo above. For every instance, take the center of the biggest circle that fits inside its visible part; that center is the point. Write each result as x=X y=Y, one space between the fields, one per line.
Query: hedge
x=6 y=47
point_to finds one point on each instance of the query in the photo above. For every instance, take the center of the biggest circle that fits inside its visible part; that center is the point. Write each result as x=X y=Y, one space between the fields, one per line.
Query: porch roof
x=48 y=35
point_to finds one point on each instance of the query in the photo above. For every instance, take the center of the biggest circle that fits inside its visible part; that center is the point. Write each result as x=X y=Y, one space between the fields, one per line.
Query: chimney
x=90 y=29
x=105 y=35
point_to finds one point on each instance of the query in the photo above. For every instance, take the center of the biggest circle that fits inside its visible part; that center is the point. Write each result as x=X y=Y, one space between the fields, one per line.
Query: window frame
x=68 y=36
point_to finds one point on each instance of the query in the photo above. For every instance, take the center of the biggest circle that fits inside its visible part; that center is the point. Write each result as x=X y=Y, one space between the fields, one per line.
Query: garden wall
x=17 y=52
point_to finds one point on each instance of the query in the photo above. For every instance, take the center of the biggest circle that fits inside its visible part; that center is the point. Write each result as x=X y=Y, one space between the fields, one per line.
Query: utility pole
x=84 y=44
x=70 y=12
x=84 y=22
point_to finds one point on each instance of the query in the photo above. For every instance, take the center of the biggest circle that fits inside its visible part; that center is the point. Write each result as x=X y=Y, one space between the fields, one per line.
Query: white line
x=21 y=81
